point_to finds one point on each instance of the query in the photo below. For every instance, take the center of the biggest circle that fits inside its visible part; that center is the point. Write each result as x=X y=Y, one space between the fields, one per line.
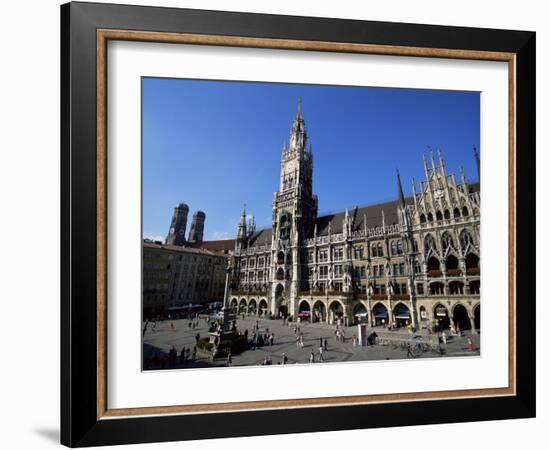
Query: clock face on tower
x=172 y=230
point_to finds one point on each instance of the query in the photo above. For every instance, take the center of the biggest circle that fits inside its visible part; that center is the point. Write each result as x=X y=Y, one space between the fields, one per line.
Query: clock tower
x=294 y=214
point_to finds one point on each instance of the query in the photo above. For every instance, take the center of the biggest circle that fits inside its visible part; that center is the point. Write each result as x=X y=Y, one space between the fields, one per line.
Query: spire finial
x=299 y=111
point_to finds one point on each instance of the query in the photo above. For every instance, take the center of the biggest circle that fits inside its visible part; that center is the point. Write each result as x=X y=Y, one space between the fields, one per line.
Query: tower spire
x=298 y=135
x=426 y=172
x=241 y=230
x=400 y=190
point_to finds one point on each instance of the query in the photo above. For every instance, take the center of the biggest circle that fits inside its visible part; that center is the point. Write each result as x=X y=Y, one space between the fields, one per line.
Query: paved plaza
x=178 y=334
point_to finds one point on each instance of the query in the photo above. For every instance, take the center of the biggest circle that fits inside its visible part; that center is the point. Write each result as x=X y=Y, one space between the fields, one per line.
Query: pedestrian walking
x=182 y=355
x=285 y=358
x=312 y=357
x=321 y=349
x=229 y=359
x=410 y=354
x=326 y=345
x=470 y=344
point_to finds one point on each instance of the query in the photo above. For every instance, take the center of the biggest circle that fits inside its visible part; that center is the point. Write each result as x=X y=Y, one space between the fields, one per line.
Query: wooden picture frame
x=86 y=418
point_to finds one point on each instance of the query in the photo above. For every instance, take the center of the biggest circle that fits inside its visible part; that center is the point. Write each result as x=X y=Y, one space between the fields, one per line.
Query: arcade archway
x=336 y=312
x=380 y=314
x=360 y=314
x=319 y=312
x=252 y=306
x=460 y=318
x=304 y=311
x=262 y=307
x=401 y=315
x=441 y=317
x=477 y=317
x=242 y=306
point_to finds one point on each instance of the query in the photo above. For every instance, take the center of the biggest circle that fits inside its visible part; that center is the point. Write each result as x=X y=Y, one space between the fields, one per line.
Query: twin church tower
x=176 y=234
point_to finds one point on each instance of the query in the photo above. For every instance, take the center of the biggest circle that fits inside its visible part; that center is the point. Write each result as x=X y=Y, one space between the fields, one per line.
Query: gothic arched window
x=380 y=250
x=430 y=217
x=447 y=240
x=399 y=247
x=429 y=243
x=393 y=248
x=438 y=215
x=465 y=212
x=465 y=239
x=422 y=218
x=456 y=213
x=447 y=214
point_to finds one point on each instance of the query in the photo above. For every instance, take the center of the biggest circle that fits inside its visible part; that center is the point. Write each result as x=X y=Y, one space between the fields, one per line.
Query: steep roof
x=260 y=237
x=373 y=214
x=221 y=245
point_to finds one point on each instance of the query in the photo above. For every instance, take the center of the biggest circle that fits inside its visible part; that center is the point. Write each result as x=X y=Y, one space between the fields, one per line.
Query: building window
x=430 y=217
x=310 y=256
x=380 y=250
x=323 y=255
x=338 y=287
x=436 y=289
x=447 y=214
x=420 y=289
x=422 y=218
x=401 y=268
x=438 y=215
x=456 y=213
x=395 y=269
x=374 y=271
x=381 y=270
x=374 y=251
x=456 y=288
x=338 y=253
x=338 y=271
x=323 y=271
x=393 y=248
x=358 y=252
x=399 y=247
x=363 y=272
x=465 y=212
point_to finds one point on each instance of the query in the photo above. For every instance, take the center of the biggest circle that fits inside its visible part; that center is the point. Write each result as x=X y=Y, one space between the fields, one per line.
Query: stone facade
x=413 y=261
x=174 y=276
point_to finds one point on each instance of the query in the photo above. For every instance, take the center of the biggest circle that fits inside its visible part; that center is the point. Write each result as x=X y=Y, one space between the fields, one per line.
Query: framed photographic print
x=277 y=224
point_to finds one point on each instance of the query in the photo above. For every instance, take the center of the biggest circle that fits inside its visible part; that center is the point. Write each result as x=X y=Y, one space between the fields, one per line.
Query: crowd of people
x=261 y=336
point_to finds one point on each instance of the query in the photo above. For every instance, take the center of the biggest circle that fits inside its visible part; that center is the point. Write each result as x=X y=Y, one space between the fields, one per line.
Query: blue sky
x=216 y=145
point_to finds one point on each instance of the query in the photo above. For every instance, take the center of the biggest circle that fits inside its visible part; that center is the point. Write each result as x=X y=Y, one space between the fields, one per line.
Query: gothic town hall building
x=412 y=261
